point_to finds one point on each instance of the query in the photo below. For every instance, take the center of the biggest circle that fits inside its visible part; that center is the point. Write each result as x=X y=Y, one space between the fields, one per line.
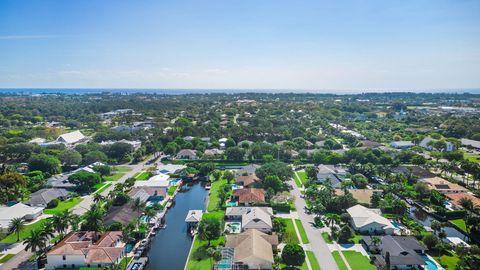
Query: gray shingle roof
x=44 y=196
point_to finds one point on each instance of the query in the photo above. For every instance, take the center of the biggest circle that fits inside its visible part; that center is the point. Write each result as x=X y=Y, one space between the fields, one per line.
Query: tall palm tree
x=75 y=221
x=16 y=226
x=36 y=242
x=138 y=205
x=376 y=241
x=331 y=219
x=94 y=219
x=48 y=229
x=61 y=222
x=210 y=253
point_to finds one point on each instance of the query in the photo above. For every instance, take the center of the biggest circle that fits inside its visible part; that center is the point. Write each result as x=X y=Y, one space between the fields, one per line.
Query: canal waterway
x=170 y=247
x=426 y=220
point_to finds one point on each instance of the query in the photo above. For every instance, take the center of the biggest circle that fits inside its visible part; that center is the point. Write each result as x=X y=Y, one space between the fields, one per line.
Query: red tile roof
x=250 y=195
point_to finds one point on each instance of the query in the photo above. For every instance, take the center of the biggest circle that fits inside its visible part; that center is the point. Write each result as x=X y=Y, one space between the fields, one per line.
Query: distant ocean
x=80 y=91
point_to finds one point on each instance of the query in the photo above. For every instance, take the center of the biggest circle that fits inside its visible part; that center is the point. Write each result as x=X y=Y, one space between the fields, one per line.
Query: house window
x=73 y=265
x=99 y=266
x=64 y=257
x=64 y=266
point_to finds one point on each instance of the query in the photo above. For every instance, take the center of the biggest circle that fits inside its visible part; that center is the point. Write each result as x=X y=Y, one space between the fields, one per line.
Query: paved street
x=317 y=244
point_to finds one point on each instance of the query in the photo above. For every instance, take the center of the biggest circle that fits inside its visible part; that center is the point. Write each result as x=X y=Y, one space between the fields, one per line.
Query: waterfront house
x=123 y=214
x=236 y=213
x=160 y=180
x=250 y=180
x=336 y=174
x=249 y=196
x=187 y=154
x=402 y=252
x=43 y=196
x=252 y=248
x=257 y=219
x=193 y=217
x=455 y=199
x=86 y=249
x=369 y=221
x=145 y=193
x=19 y=210
x=443 y=186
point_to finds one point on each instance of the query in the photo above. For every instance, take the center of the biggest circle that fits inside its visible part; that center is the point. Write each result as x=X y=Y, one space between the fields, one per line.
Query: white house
x=18 y=210
x=369 y=221
x=71 y=138
x=402 y=144
x=159 y=180
x=86 y=249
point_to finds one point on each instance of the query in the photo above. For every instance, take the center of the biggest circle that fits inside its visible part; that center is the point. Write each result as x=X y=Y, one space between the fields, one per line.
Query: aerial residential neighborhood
x=239 y=135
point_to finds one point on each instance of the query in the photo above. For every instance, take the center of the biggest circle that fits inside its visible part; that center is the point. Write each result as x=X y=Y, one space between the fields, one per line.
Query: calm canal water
x=426 y=220
x=170 y=247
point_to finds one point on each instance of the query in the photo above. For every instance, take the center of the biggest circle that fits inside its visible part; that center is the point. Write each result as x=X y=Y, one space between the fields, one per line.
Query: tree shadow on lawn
x=200 y=253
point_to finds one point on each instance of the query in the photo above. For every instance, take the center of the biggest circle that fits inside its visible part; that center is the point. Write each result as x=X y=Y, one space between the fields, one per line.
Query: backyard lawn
x=300 y=178
x=448 y=260
x=119 y=171
x=302 y=232
x=124 y=262
x=172 y=190
x=460 y=223
x=338 y=259
x=62 y=206
x=214 y=200
x=199 y=259
x=357 y=261
x=313 y=260
x=12 y=238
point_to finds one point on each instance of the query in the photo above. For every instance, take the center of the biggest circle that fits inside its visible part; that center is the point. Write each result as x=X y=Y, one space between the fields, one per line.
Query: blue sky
x=252 y=44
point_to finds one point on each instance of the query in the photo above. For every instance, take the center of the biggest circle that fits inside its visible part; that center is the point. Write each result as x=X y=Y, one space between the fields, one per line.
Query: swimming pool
x=397 y=225
x=235 y=186
x=233 y=227
x=231 y=204
x=431 y=265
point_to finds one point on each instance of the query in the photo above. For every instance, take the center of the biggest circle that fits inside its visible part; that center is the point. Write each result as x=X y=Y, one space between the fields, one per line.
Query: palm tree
x=36 y=242
x=150 y=213
x=48 y=229
x=138 y=205
x=97 y=197
x=16 y=226
x=376 y=241
x=466 y=203
x=330 y=220
x=94 y=219
x=126 y=236
x=75 y=221
x=61 y=222
x=210 y=253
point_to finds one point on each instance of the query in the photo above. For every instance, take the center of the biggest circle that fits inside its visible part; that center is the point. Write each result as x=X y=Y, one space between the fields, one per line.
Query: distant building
x=402 y=144
x=250 y=180
x=247 y=170
x=72 y=138
x=471 y=143
x=83 y=249
x=363 y=196
x=146 y=193
x=187 y=154
x=443 y=186
x=336 y=174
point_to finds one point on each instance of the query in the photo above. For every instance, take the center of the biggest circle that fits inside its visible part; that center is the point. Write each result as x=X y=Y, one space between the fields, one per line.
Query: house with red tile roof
x=86 y=249
x=249 y=196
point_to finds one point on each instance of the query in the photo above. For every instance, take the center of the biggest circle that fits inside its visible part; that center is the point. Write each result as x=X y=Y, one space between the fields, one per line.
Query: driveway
x=317 y=244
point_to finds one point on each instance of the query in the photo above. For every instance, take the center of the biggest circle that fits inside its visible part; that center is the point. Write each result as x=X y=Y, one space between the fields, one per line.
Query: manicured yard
x=143 y=176
x=357 y=261
x=199 y=259
x=357 y=238
x=300 y=178
x=12 y=238
x=460 y=223
x=302 y=232
x=290 y=233
x=214 y=200
x=6 y=258
x=338 y=259
x=448 y=261
x=172 y=190
x=63 y=205
x=119 y=171
x=124 y=262
x=313 y=260
x=326 y=237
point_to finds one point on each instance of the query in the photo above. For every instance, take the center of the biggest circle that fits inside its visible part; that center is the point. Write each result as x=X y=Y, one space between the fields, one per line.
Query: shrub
x=53 y=203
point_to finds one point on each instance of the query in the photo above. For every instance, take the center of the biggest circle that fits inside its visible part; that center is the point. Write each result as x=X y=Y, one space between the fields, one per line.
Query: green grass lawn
x=357 y=238
x=214 y=200
x=357 y=261
x=300 y=178
x=302 y=232
x=12 y=238
x=460 y=223
x=327 y=238
x=447 y=260
x=199 y=260
x=119 y=171
x=63 y=205
x=290 y=235
x=338 y=259
x=6 y=258
x=216 y=215
x=100 y=190
x=172 y=190
x=124 y=262
x=143 y=176
x=472 y=157
x=313 y=260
